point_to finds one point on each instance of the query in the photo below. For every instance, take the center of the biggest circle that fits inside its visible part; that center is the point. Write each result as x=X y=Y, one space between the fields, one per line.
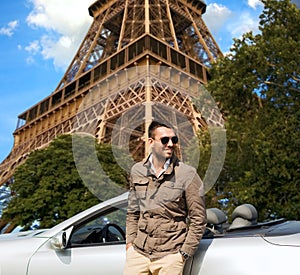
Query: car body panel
x=244 y=256
x=269 y=249
x=289 y=240
x=105 y=259
x=15 y=253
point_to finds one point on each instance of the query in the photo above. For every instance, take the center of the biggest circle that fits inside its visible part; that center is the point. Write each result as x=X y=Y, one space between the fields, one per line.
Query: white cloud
x=254 y=3
x=244 y=23
x=10 y=28
x=60 y=50
x=226 y=24
x=64 y=23
x=30 y=60
x=215 y=11
x=33 y=48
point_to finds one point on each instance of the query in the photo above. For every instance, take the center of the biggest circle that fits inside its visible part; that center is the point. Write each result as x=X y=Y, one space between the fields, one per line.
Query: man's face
x=159 y=149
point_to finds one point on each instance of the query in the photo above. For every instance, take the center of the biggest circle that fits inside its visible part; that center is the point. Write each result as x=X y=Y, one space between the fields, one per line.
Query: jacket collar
x=173 y=161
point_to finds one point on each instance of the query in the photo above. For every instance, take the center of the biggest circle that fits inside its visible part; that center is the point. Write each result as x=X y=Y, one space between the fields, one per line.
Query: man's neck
x=158 y=164
x=158 y=161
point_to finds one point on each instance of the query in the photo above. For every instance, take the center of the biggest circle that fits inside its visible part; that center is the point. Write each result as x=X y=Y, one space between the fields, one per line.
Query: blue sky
x=38 y=39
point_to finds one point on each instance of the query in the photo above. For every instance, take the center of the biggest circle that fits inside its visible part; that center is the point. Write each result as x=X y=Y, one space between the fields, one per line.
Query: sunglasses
x=165 y=140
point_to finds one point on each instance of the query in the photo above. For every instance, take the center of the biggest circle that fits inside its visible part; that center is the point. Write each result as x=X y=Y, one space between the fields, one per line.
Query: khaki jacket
x=165 y=214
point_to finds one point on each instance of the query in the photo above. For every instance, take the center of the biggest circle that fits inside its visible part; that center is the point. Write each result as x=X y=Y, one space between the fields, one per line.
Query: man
x=166 y=215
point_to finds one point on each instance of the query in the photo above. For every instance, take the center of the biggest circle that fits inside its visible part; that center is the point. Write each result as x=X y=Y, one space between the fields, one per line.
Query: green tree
x=258 y=87
x=48 y=187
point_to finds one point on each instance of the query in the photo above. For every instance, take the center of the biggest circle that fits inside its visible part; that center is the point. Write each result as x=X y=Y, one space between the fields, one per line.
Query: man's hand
x=128 y=245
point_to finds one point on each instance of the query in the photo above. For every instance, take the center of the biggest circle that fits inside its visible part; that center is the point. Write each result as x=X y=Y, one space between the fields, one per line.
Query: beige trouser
x=137 y=264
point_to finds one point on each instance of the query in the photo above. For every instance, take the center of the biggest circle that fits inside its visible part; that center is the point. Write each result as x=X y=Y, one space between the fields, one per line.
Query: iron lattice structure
x=140 y=60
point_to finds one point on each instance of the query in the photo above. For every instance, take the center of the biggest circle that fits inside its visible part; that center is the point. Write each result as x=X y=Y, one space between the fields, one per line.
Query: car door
x=96 y=246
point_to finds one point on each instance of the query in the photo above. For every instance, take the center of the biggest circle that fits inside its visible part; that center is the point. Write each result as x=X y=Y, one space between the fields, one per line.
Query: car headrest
x=215 y=216
x=244 y=215
x=245 y=211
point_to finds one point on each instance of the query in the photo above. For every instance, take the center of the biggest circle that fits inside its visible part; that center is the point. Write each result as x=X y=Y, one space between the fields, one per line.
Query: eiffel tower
x=140 y=60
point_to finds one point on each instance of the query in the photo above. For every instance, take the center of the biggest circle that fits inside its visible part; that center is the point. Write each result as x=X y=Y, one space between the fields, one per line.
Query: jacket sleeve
x=133 y=213
x=194 y=192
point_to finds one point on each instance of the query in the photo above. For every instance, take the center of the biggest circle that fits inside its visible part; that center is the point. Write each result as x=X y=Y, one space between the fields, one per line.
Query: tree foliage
x=48 y=187
x=258 y=88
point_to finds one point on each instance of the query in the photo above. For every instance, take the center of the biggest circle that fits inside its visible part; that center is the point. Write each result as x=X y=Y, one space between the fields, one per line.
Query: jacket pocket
x=172 y=236
x=168 y=192
x=140 y=186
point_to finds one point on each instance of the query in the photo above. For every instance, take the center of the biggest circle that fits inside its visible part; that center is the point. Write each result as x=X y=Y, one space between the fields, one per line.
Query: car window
x=101 y=229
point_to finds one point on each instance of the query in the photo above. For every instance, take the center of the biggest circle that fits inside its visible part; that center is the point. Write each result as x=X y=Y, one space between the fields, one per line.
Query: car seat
x=243 y=215
x=215 y=220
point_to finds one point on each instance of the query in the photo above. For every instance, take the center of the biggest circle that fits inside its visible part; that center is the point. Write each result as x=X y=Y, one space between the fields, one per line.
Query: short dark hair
x=156 y=124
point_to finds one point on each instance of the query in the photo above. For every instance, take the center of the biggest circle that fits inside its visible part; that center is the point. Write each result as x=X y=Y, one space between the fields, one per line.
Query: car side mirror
x=60 y=240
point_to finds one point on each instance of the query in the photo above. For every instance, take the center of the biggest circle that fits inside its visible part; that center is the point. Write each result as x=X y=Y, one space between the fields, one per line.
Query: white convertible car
x=93 y=242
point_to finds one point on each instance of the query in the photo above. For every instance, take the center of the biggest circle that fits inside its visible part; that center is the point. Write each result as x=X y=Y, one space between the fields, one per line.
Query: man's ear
x=150 y=141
